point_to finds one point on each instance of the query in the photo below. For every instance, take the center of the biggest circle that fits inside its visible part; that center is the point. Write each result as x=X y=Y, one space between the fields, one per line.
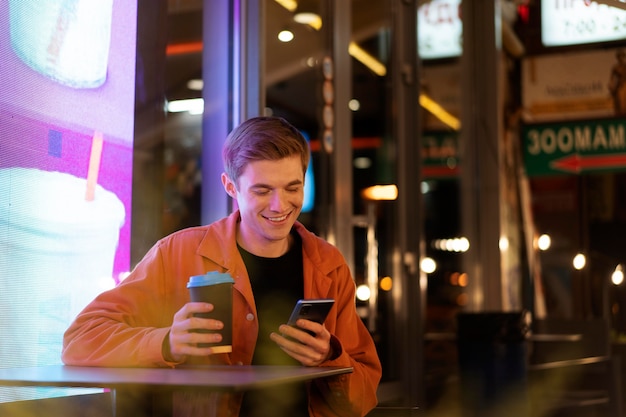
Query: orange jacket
x=126 y=326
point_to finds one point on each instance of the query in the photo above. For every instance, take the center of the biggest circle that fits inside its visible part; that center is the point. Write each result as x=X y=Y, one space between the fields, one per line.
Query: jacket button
x=249 y=316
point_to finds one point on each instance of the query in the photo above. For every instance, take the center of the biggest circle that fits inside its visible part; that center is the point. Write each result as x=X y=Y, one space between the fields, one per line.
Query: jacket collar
x=220 y=247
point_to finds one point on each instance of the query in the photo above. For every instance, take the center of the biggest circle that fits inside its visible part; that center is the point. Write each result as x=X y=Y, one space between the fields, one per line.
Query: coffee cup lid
x=210 y=278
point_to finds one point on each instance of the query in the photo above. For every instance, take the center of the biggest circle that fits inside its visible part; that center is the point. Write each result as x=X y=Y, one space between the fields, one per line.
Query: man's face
x=270 y=197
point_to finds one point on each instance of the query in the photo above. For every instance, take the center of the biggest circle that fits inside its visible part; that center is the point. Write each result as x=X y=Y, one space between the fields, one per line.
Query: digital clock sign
x=575 y=22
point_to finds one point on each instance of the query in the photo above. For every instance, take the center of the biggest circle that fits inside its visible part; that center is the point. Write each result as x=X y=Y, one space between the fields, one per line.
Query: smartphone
x=315 y=310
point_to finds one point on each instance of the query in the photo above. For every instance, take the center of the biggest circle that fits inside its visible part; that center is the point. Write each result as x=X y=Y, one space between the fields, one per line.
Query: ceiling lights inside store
x=439 y=112
x=195 y=84
x=544 y=242
x=192 y=105
x=366 y=59
x=307 y=13
x=617 y=278
x=579 y=261
x=178 y=51
x=285 y=35
x=290 y=5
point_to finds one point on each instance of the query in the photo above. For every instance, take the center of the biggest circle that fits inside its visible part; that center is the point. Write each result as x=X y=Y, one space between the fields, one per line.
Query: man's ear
x=229 y=186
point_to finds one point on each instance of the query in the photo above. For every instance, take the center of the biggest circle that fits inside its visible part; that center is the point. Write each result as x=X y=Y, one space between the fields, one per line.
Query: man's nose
x=278 y=201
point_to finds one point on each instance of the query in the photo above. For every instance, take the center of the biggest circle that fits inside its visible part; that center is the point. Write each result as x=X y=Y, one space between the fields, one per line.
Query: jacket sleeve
x=351 y=394
x=125 y=326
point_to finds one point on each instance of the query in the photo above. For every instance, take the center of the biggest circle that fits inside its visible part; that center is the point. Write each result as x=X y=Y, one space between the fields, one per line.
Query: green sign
x=575 y=147
x=440 y=154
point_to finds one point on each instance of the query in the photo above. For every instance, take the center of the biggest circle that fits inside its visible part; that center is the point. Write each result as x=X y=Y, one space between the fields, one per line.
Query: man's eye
x=261 y=192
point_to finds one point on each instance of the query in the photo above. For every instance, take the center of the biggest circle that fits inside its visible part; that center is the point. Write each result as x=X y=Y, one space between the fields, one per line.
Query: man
x=148 y=319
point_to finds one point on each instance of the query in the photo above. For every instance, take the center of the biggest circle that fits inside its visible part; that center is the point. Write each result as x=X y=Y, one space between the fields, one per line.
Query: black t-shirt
x=277 y=283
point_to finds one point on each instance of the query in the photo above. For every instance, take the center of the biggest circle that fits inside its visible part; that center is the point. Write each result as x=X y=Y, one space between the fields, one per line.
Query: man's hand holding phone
x=304 y=337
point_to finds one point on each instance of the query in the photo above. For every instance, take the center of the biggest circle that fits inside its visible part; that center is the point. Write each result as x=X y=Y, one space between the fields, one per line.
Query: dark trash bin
x=493 y=363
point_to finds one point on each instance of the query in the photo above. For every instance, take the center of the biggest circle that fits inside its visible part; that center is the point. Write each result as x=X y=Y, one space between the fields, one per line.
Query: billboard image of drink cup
x=66 y=40
x=57 y=252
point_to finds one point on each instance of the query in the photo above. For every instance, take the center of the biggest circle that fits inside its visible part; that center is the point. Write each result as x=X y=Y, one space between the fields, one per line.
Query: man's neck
x=267 y=249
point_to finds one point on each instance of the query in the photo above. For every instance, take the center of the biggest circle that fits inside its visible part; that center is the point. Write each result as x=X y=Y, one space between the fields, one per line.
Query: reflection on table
x=140 y=391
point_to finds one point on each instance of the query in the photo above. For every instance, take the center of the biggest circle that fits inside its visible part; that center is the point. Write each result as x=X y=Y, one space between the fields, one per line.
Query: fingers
x=192 y=308
x=312 y=327
x=190 y=331
x=309 y=350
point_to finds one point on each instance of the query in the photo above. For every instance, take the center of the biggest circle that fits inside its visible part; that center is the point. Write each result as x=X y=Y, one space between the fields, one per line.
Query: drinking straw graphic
x=94 y=165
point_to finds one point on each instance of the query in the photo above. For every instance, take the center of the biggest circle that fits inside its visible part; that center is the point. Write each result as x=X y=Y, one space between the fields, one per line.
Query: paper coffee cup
x=215 y=288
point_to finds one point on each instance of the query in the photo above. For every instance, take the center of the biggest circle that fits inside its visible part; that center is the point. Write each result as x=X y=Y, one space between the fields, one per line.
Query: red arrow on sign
x=576 y=163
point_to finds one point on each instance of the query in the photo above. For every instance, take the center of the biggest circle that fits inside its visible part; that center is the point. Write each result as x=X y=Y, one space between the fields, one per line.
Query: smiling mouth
x=277 y=219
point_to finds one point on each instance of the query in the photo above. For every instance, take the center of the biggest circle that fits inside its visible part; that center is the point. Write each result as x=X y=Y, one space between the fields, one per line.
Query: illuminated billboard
x=576 y=22
x=67 y=70
x=439 y=29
